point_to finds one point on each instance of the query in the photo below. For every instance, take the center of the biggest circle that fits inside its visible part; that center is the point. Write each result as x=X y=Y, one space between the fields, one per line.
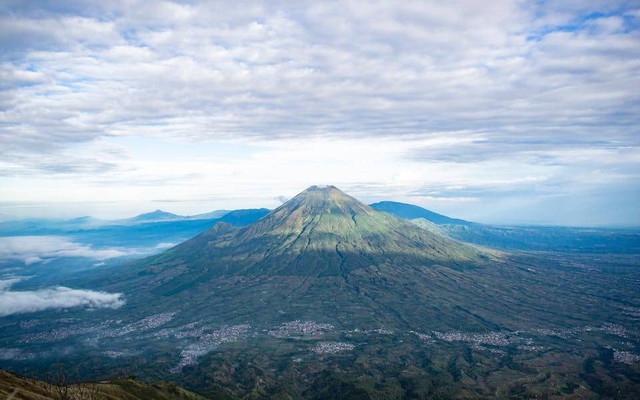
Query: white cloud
x=163 y=246
x=8 y=282
x=366 y=68
x=18 y=302
x=524 y=80
x=34 y=249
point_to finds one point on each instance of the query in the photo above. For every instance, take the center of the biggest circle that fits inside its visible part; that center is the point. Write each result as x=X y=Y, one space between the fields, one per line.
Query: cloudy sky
x=499 y=111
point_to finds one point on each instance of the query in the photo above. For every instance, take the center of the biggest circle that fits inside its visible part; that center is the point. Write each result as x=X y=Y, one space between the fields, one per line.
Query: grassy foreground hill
x=15 y=387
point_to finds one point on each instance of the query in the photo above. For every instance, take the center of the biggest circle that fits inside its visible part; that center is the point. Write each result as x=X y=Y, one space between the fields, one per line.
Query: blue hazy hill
x=409 y=211
x=520 y=237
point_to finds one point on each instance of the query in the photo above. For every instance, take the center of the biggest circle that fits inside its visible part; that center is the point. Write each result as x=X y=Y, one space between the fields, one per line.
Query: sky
x=498 y=112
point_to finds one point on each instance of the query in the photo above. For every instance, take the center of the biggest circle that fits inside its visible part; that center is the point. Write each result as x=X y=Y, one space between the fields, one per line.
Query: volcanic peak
x=327 y=199
x=326 y=204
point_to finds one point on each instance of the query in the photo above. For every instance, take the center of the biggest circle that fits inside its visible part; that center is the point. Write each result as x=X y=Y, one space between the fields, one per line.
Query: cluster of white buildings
x=300 y=328
x=332 y=347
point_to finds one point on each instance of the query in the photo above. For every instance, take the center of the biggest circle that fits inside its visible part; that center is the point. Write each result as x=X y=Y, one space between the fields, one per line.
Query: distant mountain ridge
x=233 y=217
x=539 y=238
x=410 y=211
x=211 y=215
x=157 y=215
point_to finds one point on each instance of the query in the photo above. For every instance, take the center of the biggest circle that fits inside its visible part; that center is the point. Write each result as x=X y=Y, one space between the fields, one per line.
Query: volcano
x=325 y=256
x=320 y=232
x=322 y=255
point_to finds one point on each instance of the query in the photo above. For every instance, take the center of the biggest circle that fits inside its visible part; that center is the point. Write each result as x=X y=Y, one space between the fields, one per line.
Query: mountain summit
x=327 y=206
x=325 y=200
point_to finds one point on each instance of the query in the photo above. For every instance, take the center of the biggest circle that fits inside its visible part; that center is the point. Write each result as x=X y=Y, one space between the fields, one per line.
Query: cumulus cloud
x=34 y=249
x=18 y=302
x=366 y=68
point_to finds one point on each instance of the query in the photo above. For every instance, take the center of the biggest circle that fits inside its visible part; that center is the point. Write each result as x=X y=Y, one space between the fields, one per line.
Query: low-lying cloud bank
x=7 y=283
x=34 y=249
x=18 y=302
